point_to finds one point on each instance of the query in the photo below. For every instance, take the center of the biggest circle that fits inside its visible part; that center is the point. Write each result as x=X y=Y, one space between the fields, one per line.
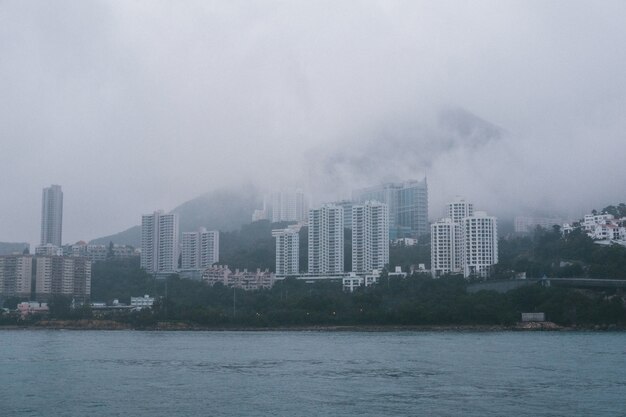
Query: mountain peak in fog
x=404 y=147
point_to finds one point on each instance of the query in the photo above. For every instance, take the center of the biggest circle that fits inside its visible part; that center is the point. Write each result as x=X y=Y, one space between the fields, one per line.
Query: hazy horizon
x=134 y=107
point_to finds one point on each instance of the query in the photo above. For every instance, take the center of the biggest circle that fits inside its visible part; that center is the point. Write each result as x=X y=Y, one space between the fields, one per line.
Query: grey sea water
x=128 y=373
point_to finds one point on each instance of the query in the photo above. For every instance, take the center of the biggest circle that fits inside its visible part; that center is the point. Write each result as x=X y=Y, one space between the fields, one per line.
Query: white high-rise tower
x=465 y=242
x=459 y=209
x=370 y=236
x=287 y=251
x=480 y=244
x=52 y=215
x=446 y=248
x=159 y=242
x=326 y=240
x=200 y=249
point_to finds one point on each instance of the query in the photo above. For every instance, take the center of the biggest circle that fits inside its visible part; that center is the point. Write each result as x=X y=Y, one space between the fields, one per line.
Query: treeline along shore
x=415 y=302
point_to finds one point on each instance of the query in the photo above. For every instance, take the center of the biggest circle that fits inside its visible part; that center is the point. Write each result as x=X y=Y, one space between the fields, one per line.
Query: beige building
x=61 y=275
x=16 y=275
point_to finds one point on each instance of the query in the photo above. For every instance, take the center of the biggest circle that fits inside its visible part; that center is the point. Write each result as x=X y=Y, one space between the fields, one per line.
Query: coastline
x=110 y=325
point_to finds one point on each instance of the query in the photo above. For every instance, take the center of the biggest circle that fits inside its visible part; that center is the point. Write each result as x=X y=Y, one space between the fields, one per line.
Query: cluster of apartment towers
x=375 y=215
x=465 y=242
x=48 y=273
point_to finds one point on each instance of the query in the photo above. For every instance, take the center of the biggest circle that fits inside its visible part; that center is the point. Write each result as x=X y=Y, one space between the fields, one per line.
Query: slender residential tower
x=287 y=250
x=370 y=237
x=446 y=248
x=326 y=240
x=51 y=215
x=200 y=249
x=481 y=244
x=159 y=242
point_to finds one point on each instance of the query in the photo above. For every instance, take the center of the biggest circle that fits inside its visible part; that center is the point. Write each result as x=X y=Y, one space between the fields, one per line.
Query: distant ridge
x=9 y=248
x=223 y=209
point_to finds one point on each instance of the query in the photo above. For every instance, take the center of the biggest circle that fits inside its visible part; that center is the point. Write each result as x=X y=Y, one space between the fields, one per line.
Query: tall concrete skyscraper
x=370 y=237
x=408 y=206
x=159 y=242
x=287 y=251
x=326 y=240
x=481 y=244
x=446 y=248
x=52 y=215
x=200 y=249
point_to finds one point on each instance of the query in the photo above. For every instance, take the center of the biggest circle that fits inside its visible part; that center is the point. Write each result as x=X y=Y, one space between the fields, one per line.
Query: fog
x=135 y=106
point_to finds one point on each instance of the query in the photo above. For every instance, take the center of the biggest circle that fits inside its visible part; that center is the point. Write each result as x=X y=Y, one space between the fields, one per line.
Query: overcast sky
x=137 y=105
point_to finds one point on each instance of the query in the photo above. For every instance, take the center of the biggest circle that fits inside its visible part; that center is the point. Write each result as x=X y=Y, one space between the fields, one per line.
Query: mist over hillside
x=9 y=248
x=223 y=209
x=406 y=145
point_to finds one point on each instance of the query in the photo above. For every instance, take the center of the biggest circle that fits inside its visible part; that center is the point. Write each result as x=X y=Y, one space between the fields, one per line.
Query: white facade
x=287 y=251
x=446 y=248
x=467 y=245
x=405 y=241
x=159 y=242
x=200 y=249
x=397 y=273
x=52 y=215
x=142 y=302
x=370 y=236
x=604 y=228
x=481 y=244
x=459 y=209
x=48 y=250
x=353 y=281
x=590 y=221
x=326 y=240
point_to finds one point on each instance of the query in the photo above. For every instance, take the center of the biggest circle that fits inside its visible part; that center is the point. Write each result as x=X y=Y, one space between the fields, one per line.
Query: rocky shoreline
x=182 y=326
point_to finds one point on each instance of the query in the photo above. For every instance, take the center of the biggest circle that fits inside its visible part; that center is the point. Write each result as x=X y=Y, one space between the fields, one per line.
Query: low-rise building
x=142 y=302
x=405 y=241
x=603 y=228
x=27 y=308
x=526 y=317
x=244 y=279
x=48 y=250
x=352 y=282
x=397 y=273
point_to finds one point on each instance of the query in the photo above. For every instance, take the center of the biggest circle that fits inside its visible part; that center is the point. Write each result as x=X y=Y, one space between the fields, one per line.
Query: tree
x=60 y=306
x=11 y=303
x=110 y=253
